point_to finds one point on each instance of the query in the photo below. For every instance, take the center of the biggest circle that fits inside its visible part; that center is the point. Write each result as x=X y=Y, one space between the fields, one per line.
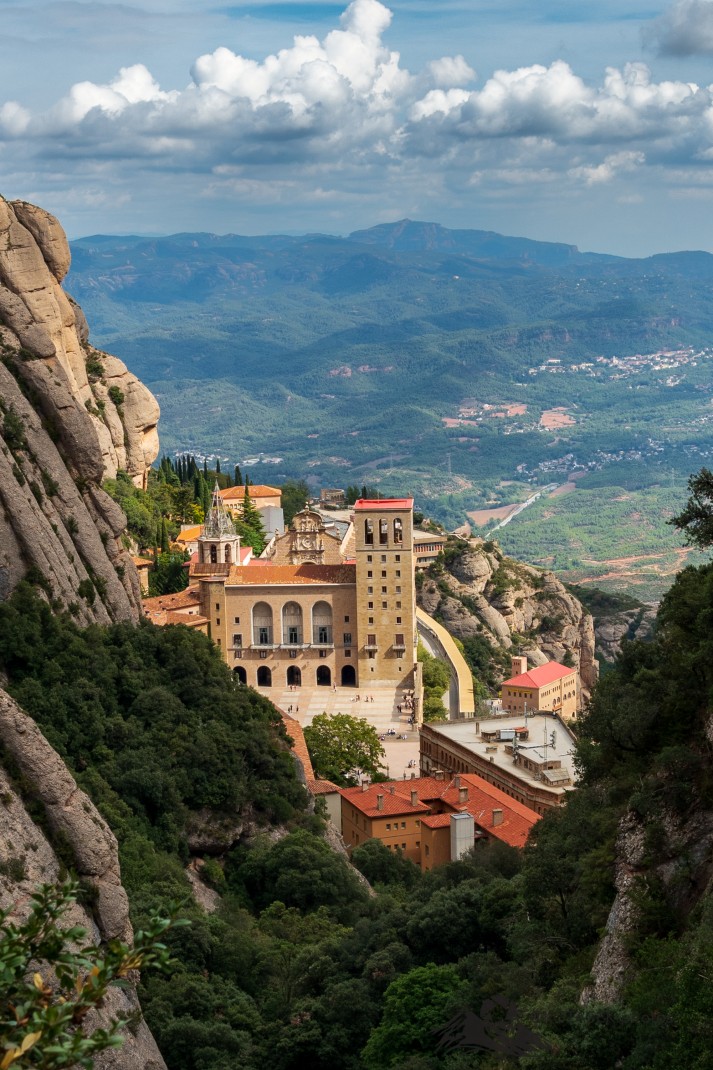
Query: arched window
x=264 y=677
x=324 y=676
x=383 y=532
x=294 y=676
x=262 y=624
x=399 y=530
x=213 y=554
x=348 y=676
x=292 y=624
x=228 y=554
x=322 y=624
x=369 y=532
x=240 y=675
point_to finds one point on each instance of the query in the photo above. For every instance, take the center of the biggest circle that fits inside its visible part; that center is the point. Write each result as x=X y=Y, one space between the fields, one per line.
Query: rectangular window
x=384 y=590
x=371 y=620
x=236 y=620
x=347 y=653
x=398 y=572
x=428 y=850
x=346 y=620
x=398 y=590
x=398 y=557
x=368 y=557
x=388 y=825
x=399 y=639
x=371 y=639
x=217 y=605
x=347 y=638
x=370 y=590
x=370 y=573
x=217 y=620
x=403 y=846
x=398 y=620
x=322 y=653
x=384 y=605
x=398 y=605
x=383 y=559
x=383 y=573
x=370 y=605
x=403 y=826
x=237 y=640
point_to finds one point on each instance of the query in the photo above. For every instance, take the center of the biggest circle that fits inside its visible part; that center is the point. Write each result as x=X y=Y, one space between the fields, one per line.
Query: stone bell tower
x=219 y=544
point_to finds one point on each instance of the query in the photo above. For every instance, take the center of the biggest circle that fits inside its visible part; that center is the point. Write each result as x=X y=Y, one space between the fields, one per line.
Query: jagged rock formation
x=629 y=624
x=70 y=416
x=28 y=859
x=514 y=607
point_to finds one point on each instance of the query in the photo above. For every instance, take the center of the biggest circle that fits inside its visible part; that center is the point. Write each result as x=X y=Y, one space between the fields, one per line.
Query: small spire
x=218 y=521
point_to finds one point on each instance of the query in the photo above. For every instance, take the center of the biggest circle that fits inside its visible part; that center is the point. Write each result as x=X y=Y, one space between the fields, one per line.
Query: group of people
x=367 y=698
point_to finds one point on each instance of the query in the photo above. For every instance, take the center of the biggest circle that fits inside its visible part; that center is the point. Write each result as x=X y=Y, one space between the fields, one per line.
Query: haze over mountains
x=410 y=355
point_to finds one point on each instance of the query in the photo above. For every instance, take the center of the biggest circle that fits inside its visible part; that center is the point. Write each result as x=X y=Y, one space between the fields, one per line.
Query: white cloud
x=14 y=119
x=341 y=112
x=686 y=29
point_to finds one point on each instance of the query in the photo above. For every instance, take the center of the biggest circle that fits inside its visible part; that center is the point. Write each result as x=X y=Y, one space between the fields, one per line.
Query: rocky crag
x=70 y=416
x=28 y=858
x=478 y=593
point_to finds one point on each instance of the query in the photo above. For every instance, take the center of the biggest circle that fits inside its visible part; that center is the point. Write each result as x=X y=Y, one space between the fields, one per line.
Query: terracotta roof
x=180 y=600
x=321 y=787
x=290 y=574
x=142 y=562
x=540 y=676
x=299 y=746
x=483 y=798
x=189 y=534
x=397 y=803
x=437 y=821
x=257 y=490
x=383 y=503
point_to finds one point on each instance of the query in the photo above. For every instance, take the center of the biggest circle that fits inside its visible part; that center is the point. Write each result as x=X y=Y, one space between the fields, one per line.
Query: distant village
x=325 y=620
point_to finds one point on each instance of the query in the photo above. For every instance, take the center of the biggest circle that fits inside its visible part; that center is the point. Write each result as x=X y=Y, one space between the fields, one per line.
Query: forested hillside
x=298 y=963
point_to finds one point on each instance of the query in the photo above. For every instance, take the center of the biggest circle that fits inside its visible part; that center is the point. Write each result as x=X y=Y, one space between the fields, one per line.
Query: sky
x=561 y=120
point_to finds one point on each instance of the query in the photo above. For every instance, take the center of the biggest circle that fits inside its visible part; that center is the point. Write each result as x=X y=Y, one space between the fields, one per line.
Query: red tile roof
x=383 y=503
x=482 y=799
x=540 y=676
x=299 y=744
x=290 y=574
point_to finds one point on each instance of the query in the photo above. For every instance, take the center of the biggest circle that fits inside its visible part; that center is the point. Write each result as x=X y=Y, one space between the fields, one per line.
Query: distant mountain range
x=355 y=359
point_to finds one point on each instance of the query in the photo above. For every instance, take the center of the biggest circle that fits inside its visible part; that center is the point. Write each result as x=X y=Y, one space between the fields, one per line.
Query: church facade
x=320 y=611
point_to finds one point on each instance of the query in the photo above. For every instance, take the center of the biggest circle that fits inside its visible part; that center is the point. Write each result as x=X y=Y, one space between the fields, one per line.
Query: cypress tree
x=238 y=476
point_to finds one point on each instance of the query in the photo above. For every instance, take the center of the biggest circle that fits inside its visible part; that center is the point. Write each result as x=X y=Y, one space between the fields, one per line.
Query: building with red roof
x=432 y=820
x=551 y=687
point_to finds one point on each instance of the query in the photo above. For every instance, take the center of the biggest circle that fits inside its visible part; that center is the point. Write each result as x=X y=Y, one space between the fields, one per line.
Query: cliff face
x=513 y=607
x=28 y=859
x=70 y=416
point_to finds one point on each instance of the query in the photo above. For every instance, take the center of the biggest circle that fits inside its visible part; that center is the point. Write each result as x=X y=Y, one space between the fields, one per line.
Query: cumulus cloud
x=686 y=29
x=343 y=113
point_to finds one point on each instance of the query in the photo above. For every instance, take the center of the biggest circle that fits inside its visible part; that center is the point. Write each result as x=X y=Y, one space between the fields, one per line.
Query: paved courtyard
x=377 y=705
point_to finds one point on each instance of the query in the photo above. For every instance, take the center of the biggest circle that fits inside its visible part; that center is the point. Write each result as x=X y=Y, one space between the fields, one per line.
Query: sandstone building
x=431 y=820
x=311 y=615
x=551 y=687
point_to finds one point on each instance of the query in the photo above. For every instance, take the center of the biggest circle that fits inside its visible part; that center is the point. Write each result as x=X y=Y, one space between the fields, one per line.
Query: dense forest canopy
x=300 y=963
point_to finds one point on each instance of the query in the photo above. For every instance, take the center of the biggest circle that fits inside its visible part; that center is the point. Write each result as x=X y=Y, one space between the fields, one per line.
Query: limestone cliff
x=28 y=858
x=513 y=607
x=70 y=416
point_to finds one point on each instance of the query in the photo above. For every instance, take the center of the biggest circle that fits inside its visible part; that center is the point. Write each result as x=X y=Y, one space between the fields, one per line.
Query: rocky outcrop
x=611 y=629
x=70 y=416
x=513 y=607
x=28 y=859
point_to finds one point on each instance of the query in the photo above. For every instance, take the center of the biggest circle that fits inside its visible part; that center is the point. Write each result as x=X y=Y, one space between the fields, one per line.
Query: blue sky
x=568 y=121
